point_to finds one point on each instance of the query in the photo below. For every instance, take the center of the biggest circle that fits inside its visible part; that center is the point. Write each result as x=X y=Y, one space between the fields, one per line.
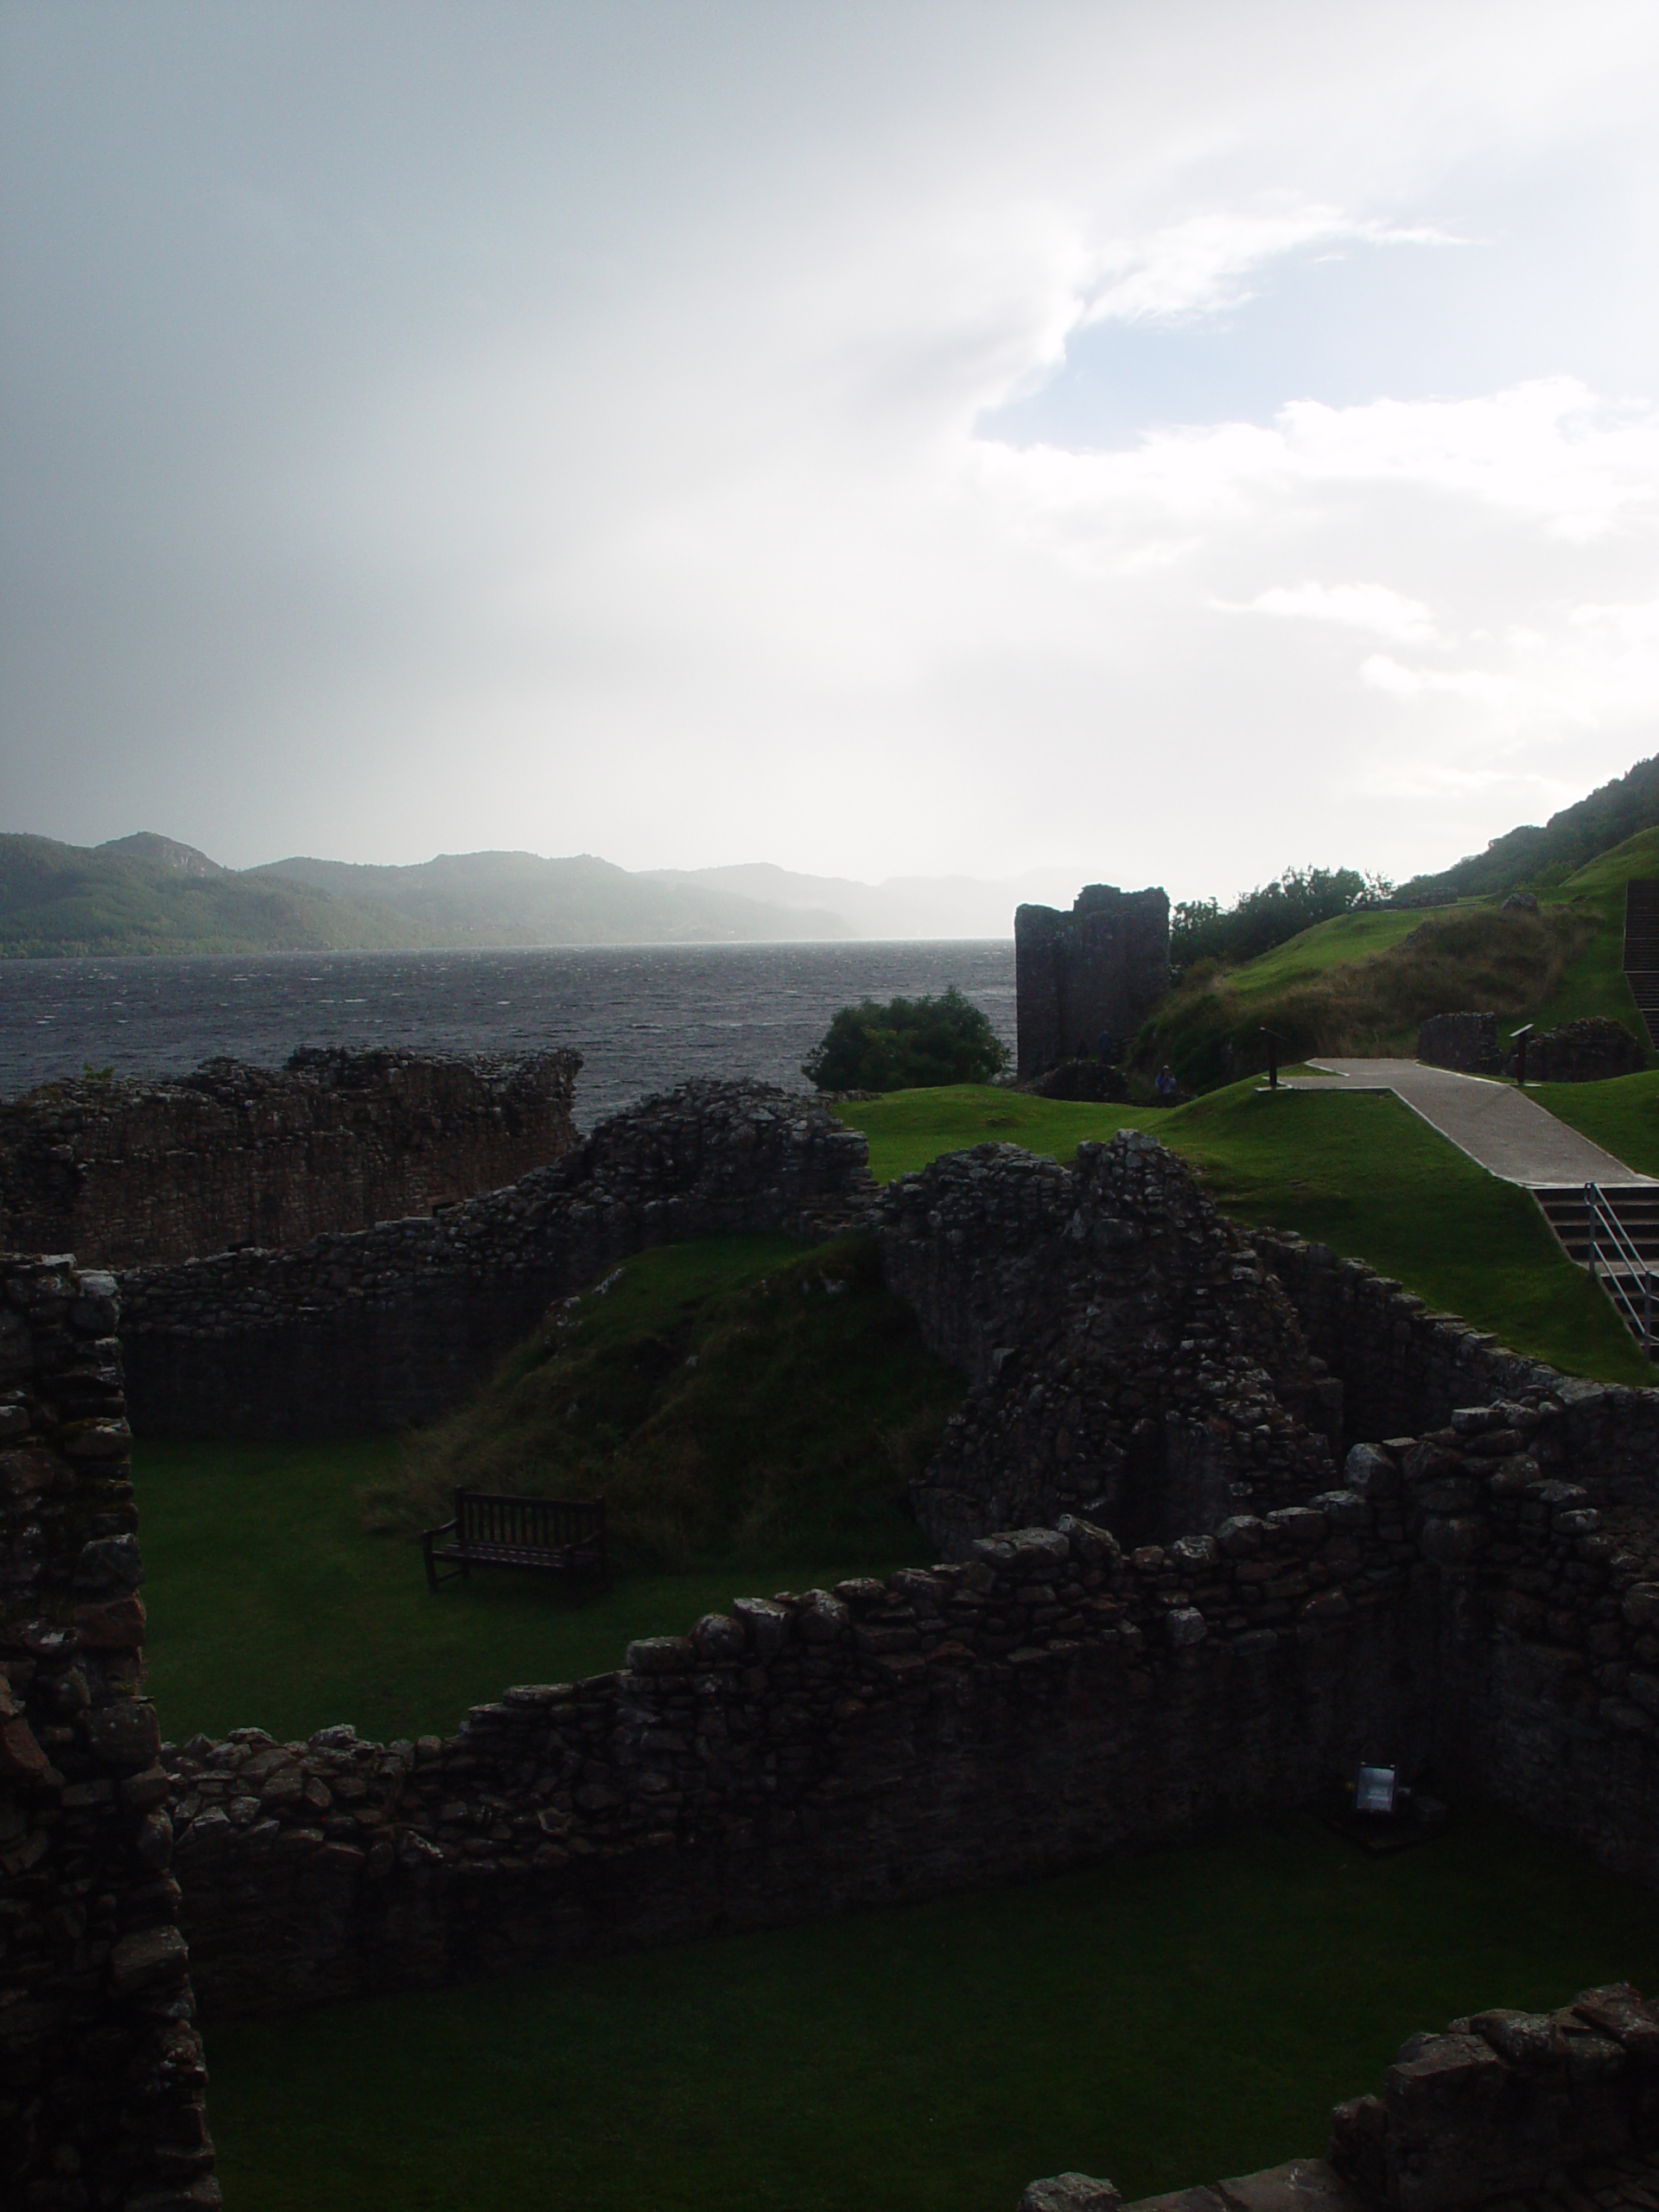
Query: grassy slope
x=1365 y=983
x=1594 y=983
x=1622 y=1116
x=727 y=1399
x=1163 y=2020
x=1360 y=1173
x=1299 y=988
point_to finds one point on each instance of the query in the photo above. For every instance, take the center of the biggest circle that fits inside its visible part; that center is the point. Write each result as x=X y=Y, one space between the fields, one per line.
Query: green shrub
x=907 y=1045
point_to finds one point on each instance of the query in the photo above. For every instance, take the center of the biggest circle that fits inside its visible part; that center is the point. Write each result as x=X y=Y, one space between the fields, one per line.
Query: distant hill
x=1609 y=815
x=148 y=894
x=519 y=899
x=139 y=896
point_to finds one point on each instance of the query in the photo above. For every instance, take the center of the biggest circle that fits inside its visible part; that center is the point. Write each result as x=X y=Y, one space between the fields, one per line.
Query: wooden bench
x=551 y=1536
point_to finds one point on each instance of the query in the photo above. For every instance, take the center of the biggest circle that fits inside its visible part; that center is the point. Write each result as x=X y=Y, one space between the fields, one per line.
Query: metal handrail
x=1605 y=1225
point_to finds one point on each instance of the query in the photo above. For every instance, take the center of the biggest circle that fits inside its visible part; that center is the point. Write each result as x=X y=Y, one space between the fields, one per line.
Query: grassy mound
x=1162 y=2019
x=1365 y=983
x=1359 y=1172
x=727 y=1400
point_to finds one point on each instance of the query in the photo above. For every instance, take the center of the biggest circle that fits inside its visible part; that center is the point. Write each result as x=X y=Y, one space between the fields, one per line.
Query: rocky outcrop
x=131 y=1174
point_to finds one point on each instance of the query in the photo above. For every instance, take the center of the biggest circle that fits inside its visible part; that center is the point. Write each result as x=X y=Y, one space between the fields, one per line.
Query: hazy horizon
x=1130 y=445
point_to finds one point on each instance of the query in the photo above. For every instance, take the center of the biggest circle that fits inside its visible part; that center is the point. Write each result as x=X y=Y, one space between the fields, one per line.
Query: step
x=1636 y=1209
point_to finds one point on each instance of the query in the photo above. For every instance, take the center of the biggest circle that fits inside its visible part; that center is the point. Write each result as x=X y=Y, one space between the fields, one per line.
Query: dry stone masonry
x=128 y=1174
x=1047 y=1699
x=1455 y=1599
x=1322 y=1525
x=396 y=1323
x=101 y=2076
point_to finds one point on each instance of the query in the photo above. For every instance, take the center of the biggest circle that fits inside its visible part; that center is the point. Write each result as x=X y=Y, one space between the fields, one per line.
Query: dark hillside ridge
x=148 y=894
x=1611 y=814
x=137 y=896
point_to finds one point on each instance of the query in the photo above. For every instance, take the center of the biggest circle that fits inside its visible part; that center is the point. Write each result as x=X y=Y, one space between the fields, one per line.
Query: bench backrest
x=484 y=1517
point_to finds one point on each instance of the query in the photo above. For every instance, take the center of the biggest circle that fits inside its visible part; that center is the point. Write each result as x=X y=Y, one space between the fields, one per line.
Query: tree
x=907 y=1045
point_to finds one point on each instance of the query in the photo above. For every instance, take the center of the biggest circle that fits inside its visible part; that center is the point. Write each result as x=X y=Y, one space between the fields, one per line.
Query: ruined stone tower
x=1104 y=965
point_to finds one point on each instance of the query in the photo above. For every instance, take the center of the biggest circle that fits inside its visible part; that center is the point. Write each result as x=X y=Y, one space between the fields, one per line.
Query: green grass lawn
x=1360 y=1173
x=1622 y=1115
x=271 y=1605
x=1163 y=2019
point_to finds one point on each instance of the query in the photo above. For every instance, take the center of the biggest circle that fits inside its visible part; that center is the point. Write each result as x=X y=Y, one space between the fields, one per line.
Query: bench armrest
x=443 y=1529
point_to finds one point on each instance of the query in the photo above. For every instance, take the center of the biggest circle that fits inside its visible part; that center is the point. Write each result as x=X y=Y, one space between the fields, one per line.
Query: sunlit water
x=643 y=1017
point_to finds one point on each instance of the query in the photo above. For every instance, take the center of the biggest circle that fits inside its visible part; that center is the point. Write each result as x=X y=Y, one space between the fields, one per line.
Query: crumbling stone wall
x=398 y=1323
x=1403 y=1367
x=1451 y=1598
x=129 y=1174
x=1589 y=1051
x=1128 y=1356
x=1504 y=2103
x=1538 y=2112
x=1104 y=965
x=101 y=2078
x=1046 y=1700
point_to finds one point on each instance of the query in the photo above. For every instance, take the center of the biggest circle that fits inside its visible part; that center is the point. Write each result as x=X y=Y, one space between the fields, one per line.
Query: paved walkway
x=1496 y=1124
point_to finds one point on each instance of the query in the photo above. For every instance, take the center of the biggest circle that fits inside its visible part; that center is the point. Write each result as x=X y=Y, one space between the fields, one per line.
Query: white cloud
x=1383 y=674
x=1203 y=265
x=1357 y=607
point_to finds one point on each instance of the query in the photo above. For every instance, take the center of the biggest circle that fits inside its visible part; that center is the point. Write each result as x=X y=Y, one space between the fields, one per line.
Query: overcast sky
x=1169 y=439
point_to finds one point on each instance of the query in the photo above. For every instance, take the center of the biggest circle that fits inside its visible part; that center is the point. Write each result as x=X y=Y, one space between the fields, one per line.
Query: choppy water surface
x=643 y=1017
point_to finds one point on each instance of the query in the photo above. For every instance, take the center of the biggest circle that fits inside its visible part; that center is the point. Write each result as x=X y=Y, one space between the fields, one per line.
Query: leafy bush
x=1201 y=929
x=907 y=1045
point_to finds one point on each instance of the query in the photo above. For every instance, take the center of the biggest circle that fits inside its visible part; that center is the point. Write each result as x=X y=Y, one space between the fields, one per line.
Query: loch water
x=643 y=1017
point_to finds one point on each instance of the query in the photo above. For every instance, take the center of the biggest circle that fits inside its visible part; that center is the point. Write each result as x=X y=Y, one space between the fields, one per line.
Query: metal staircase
x=1613 y=1229
x=1642 y=950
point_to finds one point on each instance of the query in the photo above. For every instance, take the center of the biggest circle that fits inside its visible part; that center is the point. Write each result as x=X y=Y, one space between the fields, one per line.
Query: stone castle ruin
x=128 y=1174
x=1225 y=1515
x=1104 y=966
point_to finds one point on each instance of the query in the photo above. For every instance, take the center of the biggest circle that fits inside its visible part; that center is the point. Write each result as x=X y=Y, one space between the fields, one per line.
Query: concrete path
x=1496 y=1124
